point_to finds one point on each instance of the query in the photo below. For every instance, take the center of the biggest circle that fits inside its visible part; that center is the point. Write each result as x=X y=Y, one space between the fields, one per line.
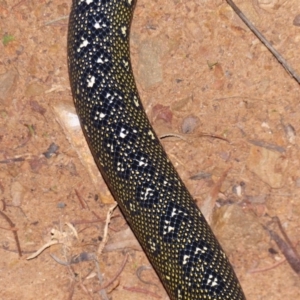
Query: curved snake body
x=161 y=212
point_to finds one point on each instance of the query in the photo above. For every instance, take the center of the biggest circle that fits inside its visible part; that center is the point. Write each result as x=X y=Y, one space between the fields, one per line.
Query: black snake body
x=173 y=232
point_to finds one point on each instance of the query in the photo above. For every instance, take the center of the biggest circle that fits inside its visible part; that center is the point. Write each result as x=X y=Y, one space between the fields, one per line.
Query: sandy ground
x=198 y=69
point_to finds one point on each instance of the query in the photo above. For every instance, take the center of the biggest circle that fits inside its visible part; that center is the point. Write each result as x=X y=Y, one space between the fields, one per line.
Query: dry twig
x=14 y=231
x=259 y=35
x=142 y=291
x=285 y=245
x=104 y=286
x=105 y=235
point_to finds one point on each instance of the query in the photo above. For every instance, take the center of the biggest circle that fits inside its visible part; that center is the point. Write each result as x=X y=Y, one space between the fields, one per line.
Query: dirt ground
x=209 y=85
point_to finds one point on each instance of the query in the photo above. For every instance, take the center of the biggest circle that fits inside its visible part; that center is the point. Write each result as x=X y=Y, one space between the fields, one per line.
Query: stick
x=277 y=55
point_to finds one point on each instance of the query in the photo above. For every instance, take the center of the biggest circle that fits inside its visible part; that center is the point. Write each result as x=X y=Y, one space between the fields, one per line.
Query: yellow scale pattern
x=175 y=236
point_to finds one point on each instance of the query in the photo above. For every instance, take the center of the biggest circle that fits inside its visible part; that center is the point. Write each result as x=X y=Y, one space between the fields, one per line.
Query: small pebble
x=52 y=149
x=189 y=124
x=290 y=133
x=298 y=182
x=237 y=189
x=17 y=192
x=61 y=205
x=296 y=21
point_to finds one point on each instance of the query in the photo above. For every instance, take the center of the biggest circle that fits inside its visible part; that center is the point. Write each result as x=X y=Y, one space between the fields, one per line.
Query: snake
x=161 y=212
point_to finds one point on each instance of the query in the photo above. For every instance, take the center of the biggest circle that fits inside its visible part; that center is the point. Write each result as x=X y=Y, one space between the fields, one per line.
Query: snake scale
x=171 y=229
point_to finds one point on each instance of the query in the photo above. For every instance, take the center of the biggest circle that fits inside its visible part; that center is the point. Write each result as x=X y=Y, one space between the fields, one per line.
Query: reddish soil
x=199 y=68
